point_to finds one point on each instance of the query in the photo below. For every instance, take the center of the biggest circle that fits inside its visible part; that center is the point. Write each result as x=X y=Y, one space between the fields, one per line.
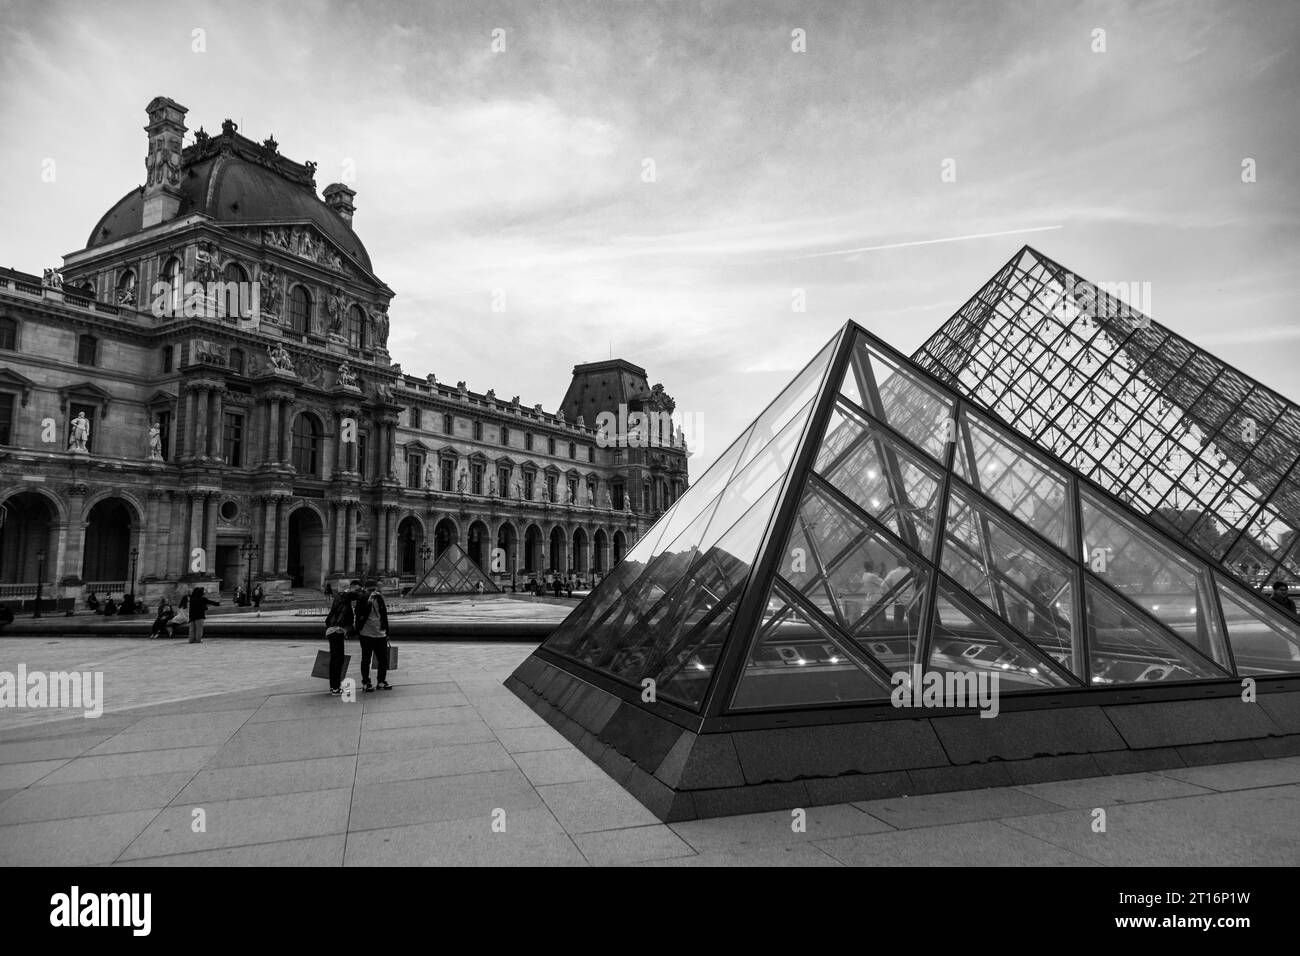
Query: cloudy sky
x=523 y=172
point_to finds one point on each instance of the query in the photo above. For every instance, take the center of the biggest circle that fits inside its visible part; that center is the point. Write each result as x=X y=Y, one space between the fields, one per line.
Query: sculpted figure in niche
x=347 y=378
x=279 y=357
x=80 y=432
x=155 y=442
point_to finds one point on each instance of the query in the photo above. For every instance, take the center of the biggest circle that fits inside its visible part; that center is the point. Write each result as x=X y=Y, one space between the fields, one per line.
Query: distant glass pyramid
x=1199 y=448
x=872 y=523
x=453 y=572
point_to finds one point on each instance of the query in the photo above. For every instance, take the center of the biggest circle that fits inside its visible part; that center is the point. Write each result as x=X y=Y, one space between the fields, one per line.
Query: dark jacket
x=199 y=606
x=342 y=613
x=368 y=604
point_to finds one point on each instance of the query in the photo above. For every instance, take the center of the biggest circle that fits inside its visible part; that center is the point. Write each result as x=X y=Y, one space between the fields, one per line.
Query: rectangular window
x=617 y=495
x=6 y=419
x=414 y=471
x=448 y=425
x=573 y=450
x=167 y=358
x=8 y=334
x=89 y=412
x=164 y=420
x=528 y=441
x=550 y=446
x=505 y=435
x=476 y=478
x=448 y=474
x=645 y=498
x=550 y=487
x=360 y=452
x=478 y=431
x=528 y=485
x=87 y=350
x=591 y=453
x=503 y=481
x=415 y=418
x=233 y=439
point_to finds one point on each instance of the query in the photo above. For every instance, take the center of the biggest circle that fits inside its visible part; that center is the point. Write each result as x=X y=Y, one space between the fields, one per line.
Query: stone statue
x=52 y=279
x=546 y=492
x=347 y=377
x=379 y=326
x=428 y=476
x=582 y=421
x=559 y=415
x=334 y=308
x=573 y=494
x=519 y=489
x=460 y=481
x=609 y=500
x=268 y=290
x=208 y=264
x=155 y=442
x=537 y=409
x=80 y=433
x=492 y=485
x=431 y=379
x=280 y=360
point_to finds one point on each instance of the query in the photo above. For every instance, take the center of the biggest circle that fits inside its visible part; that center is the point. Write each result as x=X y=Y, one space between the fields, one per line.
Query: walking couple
x=361 y=613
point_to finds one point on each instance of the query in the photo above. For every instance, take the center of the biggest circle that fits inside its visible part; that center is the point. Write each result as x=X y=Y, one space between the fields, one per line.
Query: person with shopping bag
x=340 y=625
x=372 y=626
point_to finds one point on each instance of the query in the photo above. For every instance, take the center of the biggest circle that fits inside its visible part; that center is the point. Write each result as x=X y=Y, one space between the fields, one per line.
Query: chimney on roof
x=162 y=187
x=339 y=198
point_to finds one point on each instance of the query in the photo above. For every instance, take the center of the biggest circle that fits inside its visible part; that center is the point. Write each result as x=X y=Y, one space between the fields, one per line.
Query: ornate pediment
x=8 y=377
x=304 y=241
x=86 y=391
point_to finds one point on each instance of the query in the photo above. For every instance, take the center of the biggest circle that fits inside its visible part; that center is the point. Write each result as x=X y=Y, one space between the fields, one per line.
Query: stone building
x=204 y=393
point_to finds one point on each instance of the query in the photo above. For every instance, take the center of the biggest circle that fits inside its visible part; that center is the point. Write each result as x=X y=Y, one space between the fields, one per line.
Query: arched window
x=306 y=445
x=8 y=334
x=299 y=309
x=175 y=279
x=356 y=327
x=126 y=288
x=234 y=272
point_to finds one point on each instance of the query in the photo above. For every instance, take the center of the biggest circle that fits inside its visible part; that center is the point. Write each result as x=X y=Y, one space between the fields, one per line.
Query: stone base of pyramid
x=681 y=775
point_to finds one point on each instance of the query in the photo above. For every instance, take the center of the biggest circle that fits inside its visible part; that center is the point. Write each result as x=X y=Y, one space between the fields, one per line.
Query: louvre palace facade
x=204 y=394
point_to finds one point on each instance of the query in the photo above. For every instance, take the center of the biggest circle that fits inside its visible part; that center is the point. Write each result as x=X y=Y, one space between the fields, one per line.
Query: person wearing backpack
x=340 y=624
x=372 y=626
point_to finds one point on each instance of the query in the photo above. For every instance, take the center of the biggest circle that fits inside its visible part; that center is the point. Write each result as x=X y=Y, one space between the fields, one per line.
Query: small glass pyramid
x=453 y=572
x=873 y=520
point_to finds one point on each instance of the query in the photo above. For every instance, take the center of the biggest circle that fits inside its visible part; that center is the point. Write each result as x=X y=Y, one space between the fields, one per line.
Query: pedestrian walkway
x=450 y=768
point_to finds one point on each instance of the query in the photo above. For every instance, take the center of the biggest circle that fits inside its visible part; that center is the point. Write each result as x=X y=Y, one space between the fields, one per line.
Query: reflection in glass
x=1127 y=648
x=1262 y=642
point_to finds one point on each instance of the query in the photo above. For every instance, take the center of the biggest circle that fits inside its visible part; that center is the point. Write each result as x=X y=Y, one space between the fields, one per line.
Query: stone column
x=179 y=448
x=273 y=430
x=392 y=444
x=66 y=561
x=191 y=424
x=195 y=540
x=281 y=539
x=150 y=544
x=202 y=422
x=270 y=521
x=216 y=431
x=210 y=534
x=350 y=539
x=391 y=539
x=286 y=431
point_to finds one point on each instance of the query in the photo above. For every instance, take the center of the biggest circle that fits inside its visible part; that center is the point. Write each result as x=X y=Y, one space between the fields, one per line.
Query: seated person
x=92 y=602
x=110 y=607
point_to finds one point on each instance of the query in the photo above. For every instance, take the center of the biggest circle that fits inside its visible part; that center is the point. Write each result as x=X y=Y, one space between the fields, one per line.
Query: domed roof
x=234 y=180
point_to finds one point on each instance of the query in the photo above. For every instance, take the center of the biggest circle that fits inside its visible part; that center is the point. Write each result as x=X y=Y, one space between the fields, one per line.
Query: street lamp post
x=40 y=580
x=248 y=549
x=425 y=553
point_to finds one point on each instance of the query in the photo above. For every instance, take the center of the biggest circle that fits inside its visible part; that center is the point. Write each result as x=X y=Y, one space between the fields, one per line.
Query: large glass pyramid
x=872 y=520
x=1198 y=448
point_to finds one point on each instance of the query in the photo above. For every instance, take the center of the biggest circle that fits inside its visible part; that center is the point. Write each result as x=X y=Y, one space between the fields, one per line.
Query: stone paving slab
x=450 y=768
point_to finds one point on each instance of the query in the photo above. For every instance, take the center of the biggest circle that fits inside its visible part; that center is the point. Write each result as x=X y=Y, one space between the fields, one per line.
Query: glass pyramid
x=1194 y=445
x=454 y=572
x=873 y=520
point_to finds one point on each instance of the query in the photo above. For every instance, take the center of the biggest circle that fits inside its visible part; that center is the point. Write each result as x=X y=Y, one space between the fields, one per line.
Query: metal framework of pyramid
x=871 y=521
x=1195 y=445
x=453 y=572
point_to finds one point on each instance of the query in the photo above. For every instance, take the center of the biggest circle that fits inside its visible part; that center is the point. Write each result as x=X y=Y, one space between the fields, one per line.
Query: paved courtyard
x=226 y=753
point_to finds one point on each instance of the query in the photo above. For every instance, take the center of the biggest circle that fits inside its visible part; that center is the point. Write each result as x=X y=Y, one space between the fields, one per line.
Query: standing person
x=372 y=626
x=341 y=624
x=1281 y=598
x=257 y=595
x=199 y=602
x=556 y=586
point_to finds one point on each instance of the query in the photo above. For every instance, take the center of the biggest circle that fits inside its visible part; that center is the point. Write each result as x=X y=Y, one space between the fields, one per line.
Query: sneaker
x=336 y=691
x=368 y=687
x=384 y=685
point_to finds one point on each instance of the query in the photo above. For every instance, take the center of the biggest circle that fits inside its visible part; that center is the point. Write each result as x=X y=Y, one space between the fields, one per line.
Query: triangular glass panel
x=1126 y=647
x=454 y=572
x=1172 y=588
x=1023 y=581
x=795 y=660
x=899 y=397
x=968 y=639
x=1263 y=641
x=881 y=475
